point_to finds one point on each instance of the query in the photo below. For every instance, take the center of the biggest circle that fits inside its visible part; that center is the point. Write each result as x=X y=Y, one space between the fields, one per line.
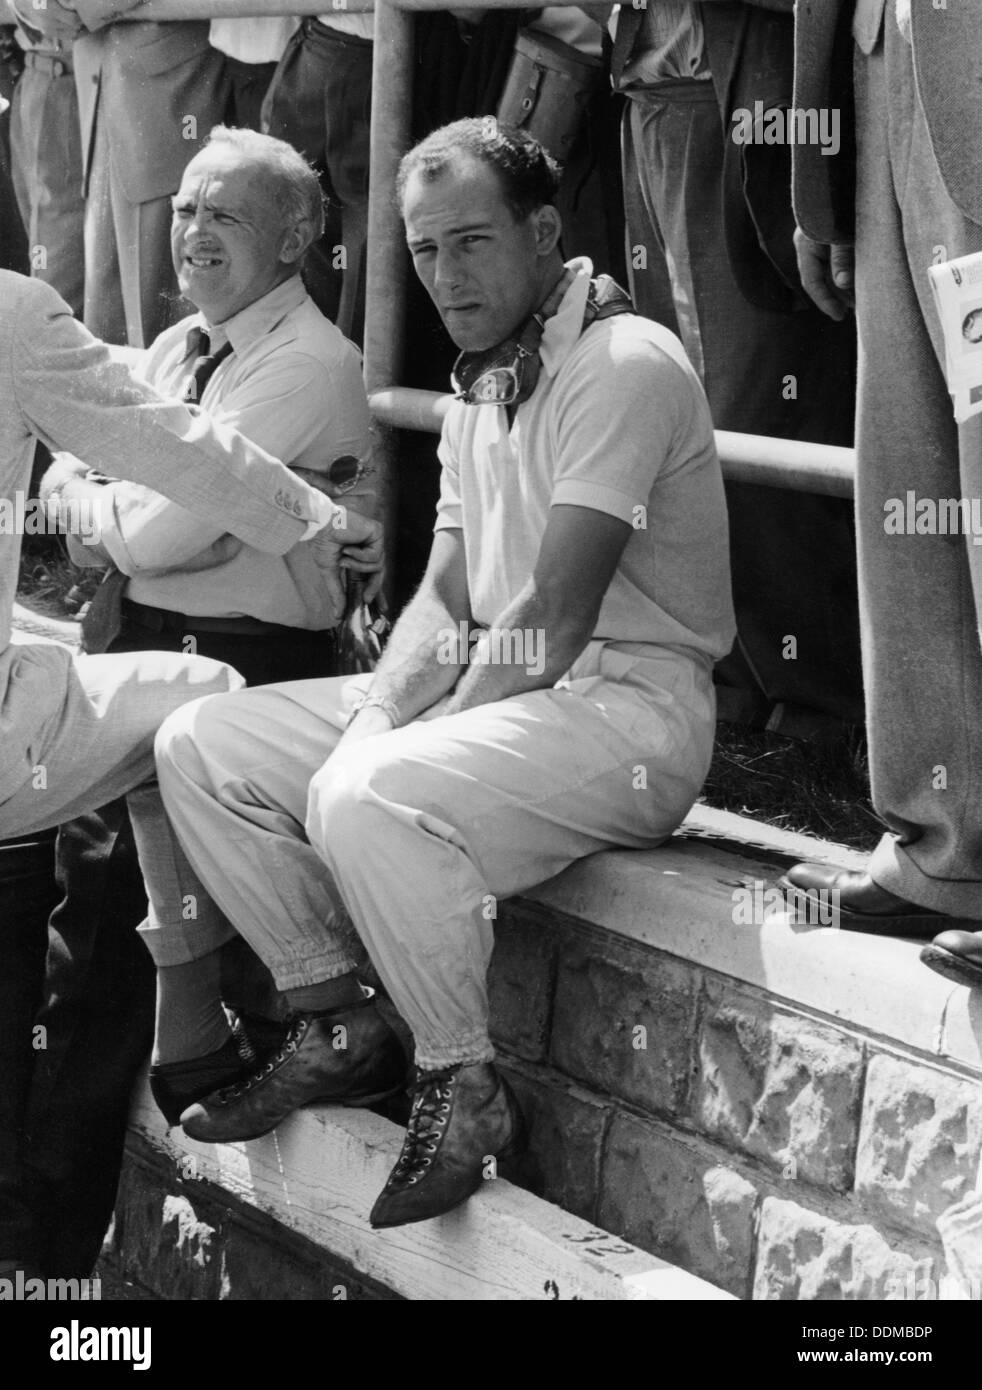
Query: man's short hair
x=294 y=185
x=529 y=175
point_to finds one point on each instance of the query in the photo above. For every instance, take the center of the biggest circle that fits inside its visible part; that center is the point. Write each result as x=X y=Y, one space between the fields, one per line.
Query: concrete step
x=320 y=1171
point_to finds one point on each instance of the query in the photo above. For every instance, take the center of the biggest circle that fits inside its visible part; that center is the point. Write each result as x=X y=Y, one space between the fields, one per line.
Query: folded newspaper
x=957 y=287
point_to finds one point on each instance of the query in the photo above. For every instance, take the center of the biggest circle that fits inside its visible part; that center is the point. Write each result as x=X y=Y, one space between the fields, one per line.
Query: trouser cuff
x=893 y=868
x=173 y=945
x=467 y=1048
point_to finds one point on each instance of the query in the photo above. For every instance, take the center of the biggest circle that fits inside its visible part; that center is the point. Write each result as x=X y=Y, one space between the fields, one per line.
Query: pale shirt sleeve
x=73 y=396
x=280 y=407
x=618 y=414
x=449 y=511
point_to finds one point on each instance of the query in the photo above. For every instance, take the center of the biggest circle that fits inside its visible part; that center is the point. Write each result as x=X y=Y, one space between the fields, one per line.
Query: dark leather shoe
x=957 y=955
x=461 y=1117
x=176 y=1085
x=360 y=1065
x=861 y=904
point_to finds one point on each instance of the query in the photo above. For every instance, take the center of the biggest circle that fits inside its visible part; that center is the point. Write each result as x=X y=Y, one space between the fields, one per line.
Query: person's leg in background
x=152 y=300
x=250 y=83
x=293 y=110
x=648 y=274
x=100 y=984
x=320 y=102
x=46 y=155
x=13 y=235
x=921 y=594
x=347 y=127
x=104 y=313
x=97 y=1013
x=766 y=372
x=28 y=892
x=94 y=995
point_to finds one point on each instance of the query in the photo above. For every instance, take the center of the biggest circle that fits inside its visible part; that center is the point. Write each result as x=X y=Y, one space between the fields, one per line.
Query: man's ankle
x=326 y=995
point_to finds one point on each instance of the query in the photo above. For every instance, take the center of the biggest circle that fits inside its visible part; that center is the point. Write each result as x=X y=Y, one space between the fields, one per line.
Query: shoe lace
x=291 y=1042
x=432 y=1099
x=243 y=1043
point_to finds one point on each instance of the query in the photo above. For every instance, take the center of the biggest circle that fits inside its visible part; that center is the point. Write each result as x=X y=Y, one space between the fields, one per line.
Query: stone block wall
x=770 y=1150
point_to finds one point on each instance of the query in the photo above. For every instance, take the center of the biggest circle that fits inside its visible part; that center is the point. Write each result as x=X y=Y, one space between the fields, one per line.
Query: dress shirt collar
x=562 y=331
x=252 y=322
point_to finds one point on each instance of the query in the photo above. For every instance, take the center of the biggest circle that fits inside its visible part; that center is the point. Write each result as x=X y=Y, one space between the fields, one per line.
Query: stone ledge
x=319 y=1172
x=679 y=899
x=178 y=1237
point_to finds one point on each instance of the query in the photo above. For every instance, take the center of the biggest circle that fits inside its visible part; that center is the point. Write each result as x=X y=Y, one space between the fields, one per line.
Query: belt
x=313 y=28
x=47 y=62
x=681 y=89
x=164 y=620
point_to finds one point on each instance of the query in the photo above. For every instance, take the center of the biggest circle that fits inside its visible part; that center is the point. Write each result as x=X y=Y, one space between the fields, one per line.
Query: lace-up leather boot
x=462 y=1117
x=349 y=1055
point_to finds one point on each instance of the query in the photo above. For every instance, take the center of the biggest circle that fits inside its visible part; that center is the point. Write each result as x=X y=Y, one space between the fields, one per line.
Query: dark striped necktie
x=205 y=366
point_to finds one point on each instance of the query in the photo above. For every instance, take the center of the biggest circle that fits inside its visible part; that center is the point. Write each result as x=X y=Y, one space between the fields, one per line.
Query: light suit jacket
x=59 y=384
x=947 y=46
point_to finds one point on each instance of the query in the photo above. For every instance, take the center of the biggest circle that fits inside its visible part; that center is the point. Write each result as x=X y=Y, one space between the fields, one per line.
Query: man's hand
x=827 y=274
x=63 y=468
x=361 y=541
x=367 y=723
x=56 y=20
x=350 y=542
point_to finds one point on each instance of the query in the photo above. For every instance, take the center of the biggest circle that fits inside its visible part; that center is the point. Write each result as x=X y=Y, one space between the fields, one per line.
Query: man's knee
x=345 y=795
x=186 y=732
x=198 y=675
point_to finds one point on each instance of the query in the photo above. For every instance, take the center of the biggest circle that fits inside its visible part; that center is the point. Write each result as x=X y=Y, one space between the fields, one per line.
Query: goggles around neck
x=505 y=374
x=508 y=373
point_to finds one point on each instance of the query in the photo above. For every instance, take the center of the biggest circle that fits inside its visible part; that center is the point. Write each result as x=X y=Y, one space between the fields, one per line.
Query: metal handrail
x=792 y=464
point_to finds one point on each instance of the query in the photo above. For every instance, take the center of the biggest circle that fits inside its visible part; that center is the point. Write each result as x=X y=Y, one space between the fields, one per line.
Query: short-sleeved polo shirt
x=618 y=423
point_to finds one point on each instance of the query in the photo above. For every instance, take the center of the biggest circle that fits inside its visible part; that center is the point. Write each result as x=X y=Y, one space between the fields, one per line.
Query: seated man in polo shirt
x=246 y=212
x=546 y=694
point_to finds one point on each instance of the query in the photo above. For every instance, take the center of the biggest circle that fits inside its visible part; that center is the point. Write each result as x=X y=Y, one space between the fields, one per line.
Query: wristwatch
x=381 y=702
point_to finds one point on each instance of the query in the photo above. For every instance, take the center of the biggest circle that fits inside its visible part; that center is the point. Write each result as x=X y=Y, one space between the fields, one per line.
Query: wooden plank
x=320 y=1172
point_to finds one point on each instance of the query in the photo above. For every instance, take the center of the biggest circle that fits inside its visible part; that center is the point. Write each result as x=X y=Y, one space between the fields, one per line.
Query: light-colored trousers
x=96 y=744
x=131 y=291
x=920 y=595
x=419 y=832
x=46 y=163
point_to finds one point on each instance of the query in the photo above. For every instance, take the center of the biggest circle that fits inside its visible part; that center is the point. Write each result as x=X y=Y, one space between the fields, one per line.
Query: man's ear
x=548 y=229
x=294 y=241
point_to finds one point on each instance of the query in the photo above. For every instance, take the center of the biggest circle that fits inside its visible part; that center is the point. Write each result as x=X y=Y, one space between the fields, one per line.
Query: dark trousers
x=250 y=82
x=320 y=102
x=13 y=236
x=64 y=1093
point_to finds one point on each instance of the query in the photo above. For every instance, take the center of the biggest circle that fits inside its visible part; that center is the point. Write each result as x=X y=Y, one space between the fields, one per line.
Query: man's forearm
x=529 y=647
x=418 y=665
